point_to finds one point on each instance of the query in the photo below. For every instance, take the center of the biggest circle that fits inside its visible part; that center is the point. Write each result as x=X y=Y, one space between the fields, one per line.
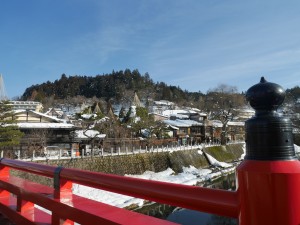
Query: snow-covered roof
x=89 y=134
x=218 y=123
x=182 y=123
x=236 y=123
x=180 y=116
x=87 y=116
x=25 y=102
x=170 y=112
x=195 y=110
x=45 y=125
x=47 y=116
x=56 y=110
x=182 y=113
x=163 y=102
x=40 y=114
x=173 y=127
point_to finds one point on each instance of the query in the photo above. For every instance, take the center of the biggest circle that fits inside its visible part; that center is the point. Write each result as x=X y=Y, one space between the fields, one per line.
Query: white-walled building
x=26 y=105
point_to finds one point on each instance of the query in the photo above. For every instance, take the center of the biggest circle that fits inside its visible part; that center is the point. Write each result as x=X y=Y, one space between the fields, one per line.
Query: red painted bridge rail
x=268 y=182
x=18 y=197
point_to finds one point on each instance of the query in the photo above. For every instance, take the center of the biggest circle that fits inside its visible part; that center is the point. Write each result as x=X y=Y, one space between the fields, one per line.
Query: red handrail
x=209 y=200
x=35 y=168
x=268 y=194
x=221 y=202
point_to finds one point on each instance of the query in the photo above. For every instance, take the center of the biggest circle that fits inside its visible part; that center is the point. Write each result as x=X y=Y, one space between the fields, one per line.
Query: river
x=190 y=217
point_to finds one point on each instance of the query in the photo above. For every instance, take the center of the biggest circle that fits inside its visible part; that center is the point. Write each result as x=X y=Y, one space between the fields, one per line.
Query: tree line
x=219 y=103
x=119 y=86
x=114 y=86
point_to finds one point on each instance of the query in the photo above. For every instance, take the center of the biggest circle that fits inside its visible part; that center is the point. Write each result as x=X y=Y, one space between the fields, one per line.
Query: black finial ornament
x=268 y=135
x=265 y=96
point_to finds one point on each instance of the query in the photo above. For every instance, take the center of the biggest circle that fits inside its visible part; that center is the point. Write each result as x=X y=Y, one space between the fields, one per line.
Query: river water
x=190 y=217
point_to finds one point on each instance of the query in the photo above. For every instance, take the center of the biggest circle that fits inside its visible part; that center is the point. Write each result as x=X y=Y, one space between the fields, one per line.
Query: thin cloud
x=272 y=64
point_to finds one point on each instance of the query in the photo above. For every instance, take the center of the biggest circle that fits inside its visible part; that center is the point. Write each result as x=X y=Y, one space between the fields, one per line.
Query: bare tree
x=36 y=141
x=220 y=104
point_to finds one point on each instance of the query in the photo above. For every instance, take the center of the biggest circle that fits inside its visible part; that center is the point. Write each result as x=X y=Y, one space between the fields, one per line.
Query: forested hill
x=116 y=85
x=120 y=86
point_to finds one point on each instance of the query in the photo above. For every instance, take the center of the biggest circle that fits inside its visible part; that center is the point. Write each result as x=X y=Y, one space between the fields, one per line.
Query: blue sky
x=193 y=44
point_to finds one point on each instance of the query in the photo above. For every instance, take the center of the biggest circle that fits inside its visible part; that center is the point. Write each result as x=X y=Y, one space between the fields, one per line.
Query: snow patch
x=189 y=176
x=217 y=163
x=297 y=148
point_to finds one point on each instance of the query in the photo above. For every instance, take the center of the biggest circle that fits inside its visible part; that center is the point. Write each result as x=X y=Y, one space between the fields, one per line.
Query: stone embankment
x=153 y=161
x=139 y=163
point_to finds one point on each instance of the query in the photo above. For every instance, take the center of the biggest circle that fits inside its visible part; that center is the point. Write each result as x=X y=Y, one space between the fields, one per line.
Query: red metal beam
x=39 y=169
x=65 y=206
x=208 y=200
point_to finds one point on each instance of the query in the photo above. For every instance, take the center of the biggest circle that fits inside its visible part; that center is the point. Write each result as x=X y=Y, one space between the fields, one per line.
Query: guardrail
x=66 y=206
x=115 y=152
x=268 y=182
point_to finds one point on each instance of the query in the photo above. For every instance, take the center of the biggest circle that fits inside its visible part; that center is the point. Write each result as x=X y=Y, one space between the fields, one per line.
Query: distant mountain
x=116 y=85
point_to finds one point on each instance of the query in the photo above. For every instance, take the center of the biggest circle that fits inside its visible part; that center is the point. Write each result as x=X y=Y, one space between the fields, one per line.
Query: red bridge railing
x=18 y=196
x=268 y=182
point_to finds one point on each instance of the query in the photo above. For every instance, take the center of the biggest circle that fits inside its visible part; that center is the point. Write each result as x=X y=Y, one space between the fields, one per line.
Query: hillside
x=116 y=85
x=119 y=87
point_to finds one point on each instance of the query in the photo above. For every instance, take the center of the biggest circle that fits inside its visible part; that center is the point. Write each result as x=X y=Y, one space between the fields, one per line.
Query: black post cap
x=268 y=135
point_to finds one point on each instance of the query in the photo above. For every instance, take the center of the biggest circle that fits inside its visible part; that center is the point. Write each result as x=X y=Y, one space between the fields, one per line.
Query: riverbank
x=155 y=161
x=189 y=176
x=139 y=163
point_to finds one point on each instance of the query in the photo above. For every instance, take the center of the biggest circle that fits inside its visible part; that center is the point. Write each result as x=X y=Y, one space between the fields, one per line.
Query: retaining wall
x=139 y=163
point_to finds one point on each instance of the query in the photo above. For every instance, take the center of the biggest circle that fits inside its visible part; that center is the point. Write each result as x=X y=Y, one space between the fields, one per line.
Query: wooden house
x=42 y=130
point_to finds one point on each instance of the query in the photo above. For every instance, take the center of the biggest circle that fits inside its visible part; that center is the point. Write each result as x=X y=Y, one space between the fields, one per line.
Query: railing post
x=22 y=205
x=4 y=173
x=269 y=177
x=63 y=193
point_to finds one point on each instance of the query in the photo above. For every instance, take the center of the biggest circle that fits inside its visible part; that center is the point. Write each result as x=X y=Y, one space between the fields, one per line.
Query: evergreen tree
x=10 y=134
x=107 y=86
x=127 y=117
x=145 y=120
x=122 y=113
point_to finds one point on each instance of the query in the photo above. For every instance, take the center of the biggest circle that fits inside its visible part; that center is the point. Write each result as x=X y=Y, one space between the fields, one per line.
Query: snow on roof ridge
x=40 y=114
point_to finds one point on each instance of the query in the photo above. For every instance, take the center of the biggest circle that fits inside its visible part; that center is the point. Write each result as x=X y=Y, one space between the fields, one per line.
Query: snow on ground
x=109 y=198
x=297 y=148
x=217 y=163
x=244 y=152
x=189 y=176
